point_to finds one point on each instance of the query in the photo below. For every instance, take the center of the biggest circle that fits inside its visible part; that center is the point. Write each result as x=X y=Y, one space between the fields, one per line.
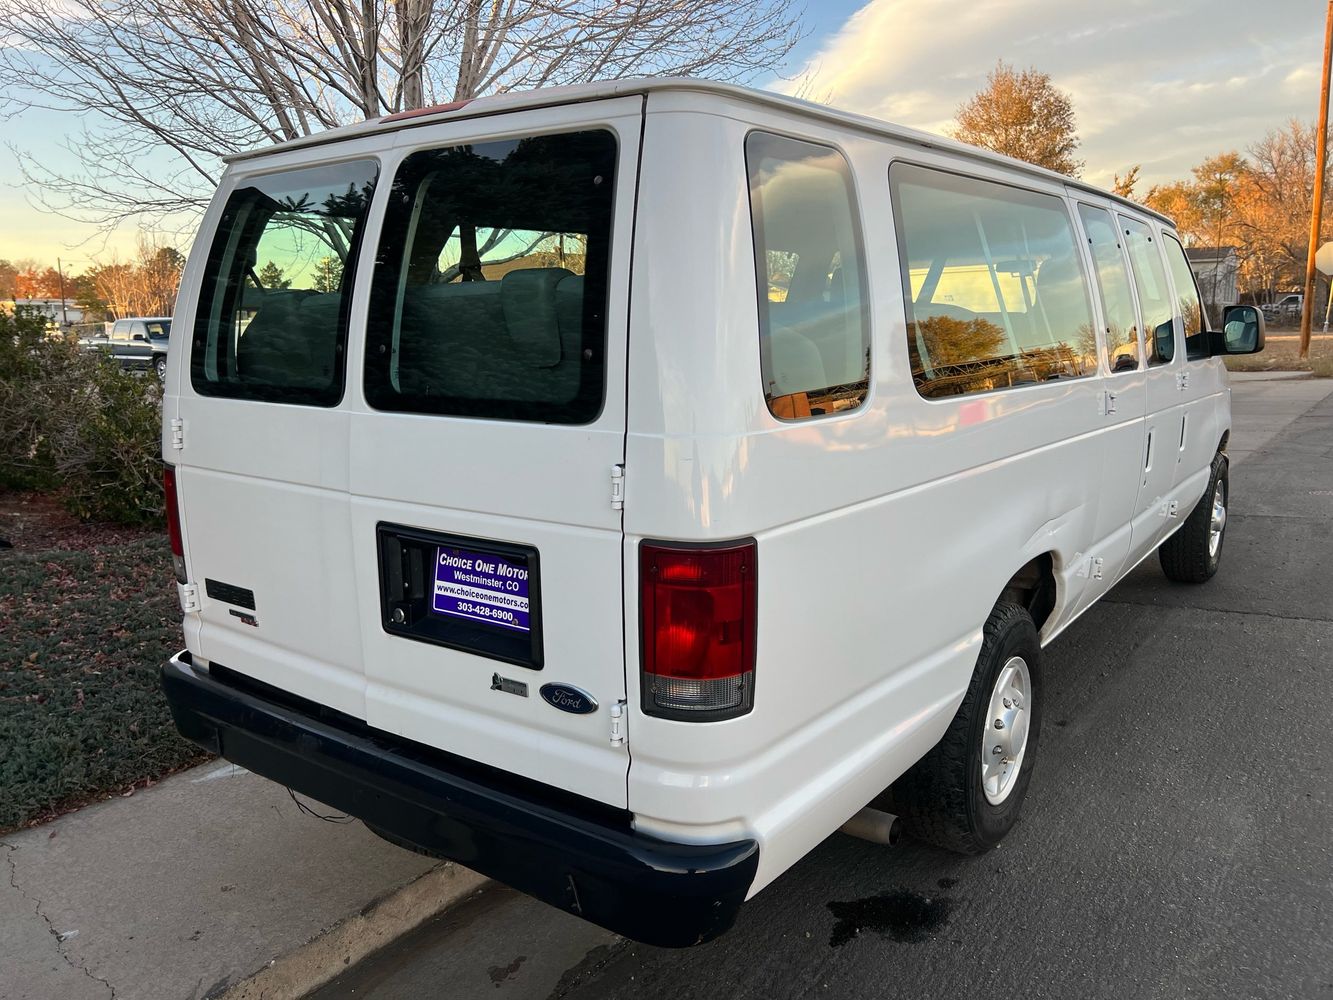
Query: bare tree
x=170 y=86
x=1022 y=115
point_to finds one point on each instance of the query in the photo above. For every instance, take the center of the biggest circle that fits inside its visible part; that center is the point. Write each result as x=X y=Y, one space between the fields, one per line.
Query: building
x=1216 y=270
x=54 y=310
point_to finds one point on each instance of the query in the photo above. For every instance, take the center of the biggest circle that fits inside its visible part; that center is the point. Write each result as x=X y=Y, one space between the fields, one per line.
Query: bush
x=72 y=419
x=25 y=459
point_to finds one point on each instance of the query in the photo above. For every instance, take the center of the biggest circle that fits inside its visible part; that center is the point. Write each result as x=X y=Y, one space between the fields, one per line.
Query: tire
x=943 y=798
x=160 y=366
x=1192 y=554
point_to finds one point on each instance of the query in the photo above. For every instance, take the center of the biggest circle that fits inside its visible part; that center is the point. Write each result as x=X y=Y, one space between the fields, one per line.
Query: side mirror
x=140 y=338
x=1242 y=331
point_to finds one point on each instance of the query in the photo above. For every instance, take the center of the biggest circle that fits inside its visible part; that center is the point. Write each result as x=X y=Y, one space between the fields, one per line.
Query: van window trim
x=867 y=290
x=1142 y=354
x=1062 y=196
x=400 y=152
x=1155 y=229
x=361 y=270
x=1182 y=335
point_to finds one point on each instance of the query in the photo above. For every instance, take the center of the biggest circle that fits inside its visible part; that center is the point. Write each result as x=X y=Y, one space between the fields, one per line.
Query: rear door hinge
x=1107 y=406
x=189 y=594
x=618 y=724
x=177 y=433
x=1182 y=379
x=617 y=487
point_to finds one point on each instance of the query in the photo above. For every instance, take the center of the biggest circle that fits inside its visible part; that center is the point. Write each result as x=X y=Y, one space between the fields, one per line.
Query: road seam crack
x=1221 y=611
x=56 y=936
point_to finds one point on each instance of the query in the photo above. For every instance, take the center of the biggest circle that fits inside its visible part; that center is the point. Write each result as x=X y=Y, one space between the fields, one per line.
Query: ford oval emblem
x=568 y=698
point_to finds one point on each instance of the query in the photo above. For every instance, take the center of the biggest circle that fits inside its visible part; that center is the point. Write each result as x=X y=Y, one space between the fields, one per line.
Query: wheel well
x=1222 y=445
x=1033 y=587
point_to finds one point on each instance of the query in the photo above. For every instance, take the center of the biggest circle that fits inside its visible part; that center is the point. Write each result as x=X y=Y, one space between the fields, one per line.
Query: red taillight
x=174 y=523
x=697 y=629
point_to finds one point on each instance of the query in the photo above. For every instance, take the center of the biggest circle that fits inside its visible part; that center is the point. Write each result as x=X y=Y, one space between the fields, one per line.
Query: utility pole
x=1316 y=210
x=60 y=272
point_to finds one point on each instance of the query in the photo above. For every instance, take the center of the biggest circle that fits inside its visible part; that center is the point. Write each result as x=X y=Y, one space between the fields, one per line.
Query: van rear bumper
x=586 y=861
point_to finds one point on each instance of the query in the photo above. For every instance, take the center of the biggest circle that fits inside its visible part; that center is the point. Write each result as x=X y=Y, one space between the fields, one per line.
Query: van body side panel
x=885 y=534
x=541 y=486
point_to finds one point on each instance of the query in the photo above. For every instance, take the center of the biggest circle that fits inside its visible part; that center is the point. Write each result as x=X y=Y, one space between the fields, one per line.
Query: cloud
x=1164 y=85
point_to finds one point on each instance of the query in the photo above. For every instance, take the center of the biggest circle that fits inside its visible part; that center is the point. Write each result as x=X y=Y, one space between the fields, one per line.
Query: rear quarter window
x=273 y=305
x=491 y=281
x=814 y=327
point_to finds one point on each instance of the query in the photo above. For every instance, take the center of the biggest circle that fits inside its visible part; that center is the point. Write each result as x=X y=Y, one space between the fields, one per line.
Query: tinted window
x=995 y=291
x=159 y=328
x=814 y=332
x=1122 y=319
x=1154 y=296
x=490 y=288
x=1189 y=308
x=272 y=321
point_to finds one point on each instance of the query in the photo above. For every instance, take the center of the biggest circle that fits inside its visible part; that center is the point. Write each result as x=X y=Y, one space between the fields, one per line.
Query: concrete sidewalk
x=181 y=890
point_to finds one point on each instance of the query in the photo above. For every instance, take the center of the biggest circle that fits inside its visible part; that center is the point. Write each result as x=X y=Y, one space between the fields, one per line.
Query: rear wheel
x=1193 y=553
x=966 y=794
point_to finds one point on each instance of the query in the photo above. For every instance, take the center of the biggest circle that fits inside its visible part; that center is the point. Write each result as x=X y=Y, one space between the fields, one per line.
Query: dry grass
x=1280 y=355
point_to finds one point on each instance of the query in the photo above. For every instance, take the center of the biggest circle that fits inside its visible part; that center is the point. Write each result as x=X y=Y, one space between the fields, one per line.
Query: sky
x=1161 y=83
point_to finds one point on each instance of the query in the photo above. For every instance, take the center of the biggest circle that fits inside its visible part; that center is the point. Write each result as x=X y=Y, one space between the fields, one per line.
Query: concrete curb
x=317 y=962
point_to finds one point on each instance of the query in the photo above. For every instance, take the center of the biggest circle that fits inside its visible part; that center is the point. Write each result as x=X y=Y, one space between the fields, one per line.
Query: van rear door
x=482 y=453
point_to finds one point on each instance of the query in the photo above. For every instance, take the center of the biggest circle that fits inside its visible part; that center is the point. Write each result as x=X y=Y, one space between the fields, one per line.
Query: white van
x=617 y=488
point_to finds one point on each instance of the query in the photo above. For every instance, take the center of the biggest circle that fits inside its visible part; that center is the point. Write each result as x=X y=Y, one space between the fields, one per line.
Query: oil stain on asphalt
x=899 y=914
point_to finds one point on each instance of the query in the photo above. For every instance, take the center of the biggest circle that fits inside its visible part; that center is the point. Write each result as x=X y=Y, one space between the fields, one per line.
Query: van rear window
x=272 y=317
x=490 y=289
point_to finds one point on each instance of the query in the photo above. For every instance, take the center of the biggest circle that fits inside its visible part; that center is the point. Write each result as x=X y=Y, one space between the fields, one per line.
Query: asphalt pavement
x=1177 y=840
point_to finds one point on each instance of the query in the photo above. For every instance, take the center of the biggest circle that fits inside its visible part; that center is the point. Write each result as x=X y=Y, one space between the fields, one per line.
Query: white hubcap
x=1004 y=740
x=1218 y=522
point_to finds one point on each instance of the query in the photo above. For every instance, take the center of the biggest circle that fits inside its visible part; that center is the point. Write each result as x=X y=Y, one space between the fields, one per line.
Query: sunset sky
x=1158 y=84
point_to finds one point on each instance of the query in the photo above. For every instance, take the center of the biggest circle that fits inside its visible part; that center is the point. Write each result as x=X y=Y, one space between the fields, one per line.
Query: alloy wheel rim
x=1218 y=521
x=1004 y=739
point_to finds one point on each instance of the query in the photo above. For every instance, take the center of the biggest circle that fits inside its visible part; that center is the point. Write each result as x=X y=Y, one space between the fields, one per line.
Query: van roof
x=548 y=96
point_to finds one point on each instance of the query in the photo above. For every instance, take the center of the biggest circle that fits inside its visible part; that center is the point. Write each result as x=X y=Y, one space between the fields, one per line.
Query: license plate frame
x=413 y=607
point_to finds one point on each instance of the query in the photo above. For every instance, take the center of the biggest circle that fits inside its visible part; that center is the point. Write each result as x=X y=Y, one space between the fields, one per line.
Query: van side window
x=1122 y=318
x=490 y=289
x=1154 y=295
x=814 y=328
x=995 y=290
x=272 y=317
x=1189 y=306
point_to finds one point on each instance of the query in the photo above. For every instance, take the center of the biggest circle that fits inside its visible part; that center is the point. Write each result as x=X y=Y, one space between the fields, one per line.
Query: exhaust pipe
x=874 y=825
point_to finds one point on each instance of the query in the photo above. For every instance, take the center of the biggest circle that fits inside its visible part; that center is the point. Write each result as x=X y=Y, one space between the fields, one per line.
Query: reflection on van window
x=272 y=318
x=490 y=288
x=1154 y=296
x=996 y=296
x=1189 y=307
x=1122 y=320
x=814 y=334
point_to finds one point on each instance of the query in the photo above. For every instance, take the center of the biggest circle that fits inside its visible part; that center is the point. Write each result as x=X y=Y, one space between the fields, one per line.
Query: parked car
x=138 y=343
x=1285 y=307
x=645 y=479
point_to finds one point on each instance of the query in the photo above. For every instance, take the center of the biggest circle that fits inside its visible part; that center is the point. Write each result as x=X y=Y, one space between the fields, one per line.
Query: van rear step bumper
x=654 y=891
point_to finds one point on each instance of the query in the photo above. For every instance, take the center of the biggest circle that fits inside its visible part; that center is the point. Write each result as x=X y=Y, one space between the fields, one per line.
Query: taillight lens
x=697 y=630
x=174 y=523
